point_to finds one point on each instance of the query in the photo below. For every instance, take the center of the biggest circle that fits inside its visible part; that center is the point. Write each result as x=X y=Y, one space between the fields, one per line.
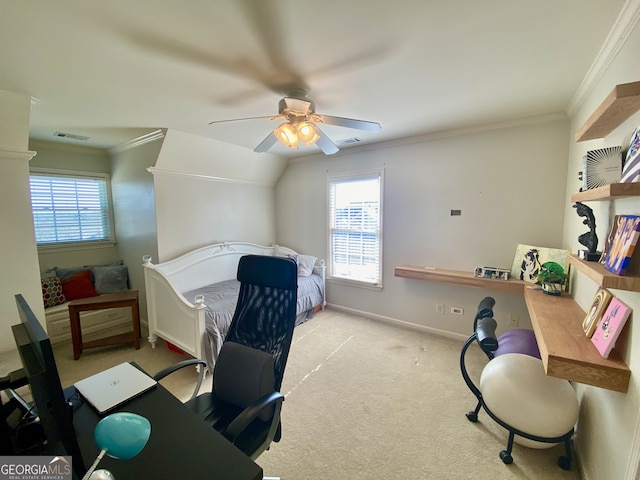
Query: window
x=355 y=227
x=70 y=208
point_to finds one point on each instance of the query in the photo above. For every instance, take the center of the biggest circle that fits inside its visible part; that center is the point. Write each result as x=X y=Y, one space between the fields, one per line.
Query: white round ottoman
x=517 y=391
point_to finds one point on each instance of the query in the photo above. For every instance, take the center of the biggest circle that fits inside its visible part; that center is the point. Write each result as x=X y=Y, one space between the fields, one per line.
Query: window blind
x=69 y=209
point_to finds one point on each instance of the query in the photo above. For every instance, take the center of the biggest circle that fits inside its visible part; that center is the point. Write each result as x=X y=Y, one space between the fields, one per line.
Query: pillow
x=49 y=274
x=110 y=279
x=305 y=265
x=52 y=292
x=79 y=286
x=64 y=273
x=242 y=375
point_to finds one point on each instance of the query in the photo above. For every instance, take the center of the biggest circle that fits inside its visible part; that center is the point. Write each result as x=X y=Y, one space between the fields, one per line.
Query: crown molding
x=136 y=142
x=17 y=154
x=618 y=35
x=174 y=173
x=454 y=132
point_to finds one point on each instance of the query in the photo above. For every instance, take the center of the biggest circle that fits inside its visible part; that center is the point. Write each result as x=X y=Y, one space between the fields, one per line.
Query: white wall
x=608 y=432
x=508 y=182
x=207 y=192
x=17 y=242
x=134 y=210
x=14 y=121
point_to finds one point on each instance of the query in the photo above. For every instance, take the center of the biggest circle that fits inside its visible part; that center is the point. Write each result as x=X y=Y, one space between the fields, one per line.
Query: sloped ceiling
x=115 y=70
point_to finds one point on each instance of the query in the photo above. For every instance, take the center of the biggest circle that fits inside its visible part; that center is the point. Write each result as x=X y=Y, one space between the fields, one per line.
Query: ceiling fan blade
x=270 y=117
x=267 y=143
x=348 y=122
x=325 y=144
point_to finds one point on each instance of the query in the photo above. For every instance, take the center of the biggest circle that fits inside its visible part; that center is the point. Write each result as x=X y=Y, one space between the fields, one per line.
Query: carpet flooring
x=364 y=400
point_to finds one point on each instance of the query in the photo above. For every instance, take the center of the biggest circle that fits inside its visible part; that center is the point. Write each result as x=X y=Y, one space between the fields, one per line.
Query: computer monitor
x=40 y=368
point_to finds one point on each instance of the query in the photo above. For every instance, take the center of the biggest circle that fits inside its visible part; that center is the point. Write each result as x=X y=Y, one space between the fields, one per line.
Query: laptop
x=114 y=386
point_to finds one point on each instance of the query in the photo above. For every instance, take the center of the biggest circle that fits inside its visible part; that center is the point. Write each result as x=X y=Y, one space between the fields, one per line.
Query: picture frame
x=602 y=166
x=623 y=244
x=595 y=312
x=608 y=330
x=528 y=260
x=609 y=240
x=631 y=167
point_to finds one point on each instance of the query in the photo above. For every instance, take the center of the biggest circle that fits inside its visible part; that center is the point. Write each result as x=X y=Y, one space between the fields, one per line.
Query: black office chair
x=244 y=404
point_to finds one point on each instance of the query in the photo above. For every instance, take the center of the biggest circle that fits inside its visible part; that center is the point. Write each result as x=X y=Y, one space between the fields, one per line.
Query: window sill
x=354 y=283
x=68 y=247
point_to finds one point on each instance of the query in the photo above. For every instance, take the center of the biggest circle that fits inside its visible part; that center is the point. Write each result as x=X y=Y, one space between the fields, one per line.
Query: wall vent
x=349 y=141
x=71 y=136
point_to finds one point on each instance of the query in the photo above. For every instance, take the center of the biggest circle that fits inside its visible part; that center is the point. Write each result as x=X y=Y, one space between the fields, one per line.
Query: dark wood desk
x=103 y=302
x=180 y=445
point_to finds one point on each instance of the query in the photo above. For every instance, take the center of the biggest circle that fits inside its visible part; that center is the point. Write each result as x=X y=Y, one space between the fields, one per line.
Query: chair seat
x=517 y=390
x=518 y=340
x=219 y=414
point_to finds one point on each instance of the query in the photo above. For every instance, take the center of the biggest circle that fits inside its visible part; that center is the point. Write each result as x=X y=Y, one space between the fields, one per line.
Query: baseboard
x=400 y=323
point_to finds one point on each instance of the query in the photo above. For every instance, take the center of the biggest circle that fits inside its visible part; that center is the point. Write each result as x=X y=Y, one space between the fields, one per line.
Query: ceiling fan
x=301 y=124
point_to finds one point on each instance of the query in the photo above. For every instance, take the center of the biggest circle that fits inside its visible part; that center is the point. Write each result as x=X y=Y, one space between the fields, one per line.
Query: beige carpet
x=365 y=400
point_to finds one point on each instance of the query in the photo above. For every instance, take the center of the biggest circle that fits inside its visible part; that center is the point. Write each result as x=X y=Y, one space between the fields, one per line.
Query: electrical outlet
x=457 y=310
x=513 y=320
x=440 y=308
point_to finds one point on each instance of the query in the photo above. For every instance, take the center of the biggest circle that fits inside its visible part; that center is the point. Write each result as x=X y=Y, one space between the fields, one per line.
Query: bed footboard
x=171 y=316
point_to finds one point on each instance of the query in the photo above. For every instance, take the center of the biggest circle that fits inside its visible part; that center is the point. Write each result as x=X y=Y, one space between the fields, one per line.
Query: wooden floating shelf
x=565 y=350
x=456 y=277
x=620 y=104
x=608 y=192
x=599 y=274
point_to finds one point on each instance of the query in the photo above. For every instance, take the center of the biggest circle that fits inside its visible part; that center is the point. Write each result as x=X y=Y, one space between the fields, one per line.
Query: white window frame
x=352 y=177
x=73 y=245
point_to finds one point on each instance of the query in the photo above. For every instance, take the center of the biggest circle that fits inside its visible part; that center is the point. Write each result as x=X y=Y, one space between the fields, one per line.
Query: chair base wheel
x=564 y=463
x=506 y=457
x=472 y=417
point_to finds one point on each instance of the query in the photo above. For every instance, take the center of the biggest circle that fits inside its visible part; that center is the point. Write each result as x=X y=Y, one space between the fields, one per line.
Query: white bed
x=171 y=288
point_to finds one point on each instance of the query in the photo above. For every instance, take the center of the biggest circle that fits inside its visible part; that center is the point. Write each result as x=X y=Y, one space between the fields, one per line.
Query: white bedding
x=198 y=330
x=220 y=301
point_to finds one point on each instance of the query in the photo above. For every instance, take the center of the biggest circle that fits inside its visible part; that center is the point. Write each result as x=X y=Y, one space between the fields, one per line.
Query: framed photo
x=631 y=169
x=596 y=310
x=613 y=229
x=609 y=328
x=623 y=243
x=528 y=260
x=602 y=167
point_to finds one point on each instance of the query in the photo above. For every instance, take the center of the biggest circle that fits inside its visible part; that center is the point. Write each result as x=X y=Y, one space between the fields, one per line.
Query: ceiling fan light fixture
x=307 y=133
x=287 y=134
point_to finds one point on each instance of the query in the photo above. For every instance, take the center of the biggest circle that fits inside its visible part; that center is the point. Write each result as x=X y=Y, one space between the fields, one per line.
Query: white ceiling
x=117 y=69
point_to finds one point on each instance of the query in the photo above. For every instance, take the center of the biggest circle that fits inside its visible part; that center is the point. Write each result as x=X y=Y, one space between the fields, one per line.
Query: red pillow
x=79 y=286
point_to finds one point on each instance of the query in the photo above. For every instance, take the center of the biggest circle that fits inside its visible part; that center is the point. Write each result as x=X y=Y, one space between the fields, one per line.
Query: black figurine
x=588 y=239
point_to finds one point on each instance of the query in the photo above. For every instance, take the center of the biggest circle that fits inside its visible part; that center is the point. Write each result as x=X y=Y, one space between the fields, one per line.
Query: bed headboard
x=211 y=264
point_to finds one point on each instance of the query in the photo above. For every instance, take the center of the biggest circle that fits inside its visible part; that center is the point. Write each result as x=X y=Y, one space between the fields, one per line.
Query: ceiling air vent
x=70 y=136
x=349 y=141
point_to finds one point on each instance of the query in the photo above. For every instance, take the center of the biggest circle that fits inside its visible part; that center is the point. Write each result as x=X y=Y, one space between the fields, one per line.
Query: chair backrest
x=254 y=367
x=265 y=314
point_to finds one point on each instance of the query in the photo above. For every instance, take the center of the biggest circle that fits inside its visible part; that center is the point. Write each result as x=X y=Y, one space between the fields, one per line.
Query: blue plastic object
x=122 y=435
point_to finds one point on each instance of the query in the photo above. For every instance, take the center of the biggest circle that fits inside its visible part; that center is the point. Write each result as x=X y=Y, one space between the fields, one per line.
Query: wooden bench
x=102 y=302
